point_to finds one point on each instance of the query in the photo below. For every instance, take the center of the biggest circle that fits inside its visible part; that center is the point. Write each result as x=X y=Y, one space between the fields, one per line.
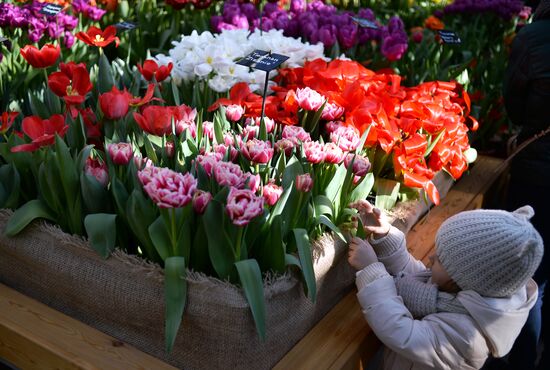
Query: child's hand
x=373 y=219
x=360 y=253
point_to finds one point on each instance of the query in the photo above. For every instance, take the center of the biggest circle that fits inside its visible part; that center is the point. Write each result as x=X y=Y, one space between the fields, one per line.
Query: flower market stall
x=177 y=171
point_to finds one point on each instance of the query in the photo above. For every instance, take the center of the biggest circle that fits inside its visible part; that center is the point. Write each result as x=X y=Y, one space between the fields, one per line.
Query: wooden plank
x=343 y=339
x=35 y=336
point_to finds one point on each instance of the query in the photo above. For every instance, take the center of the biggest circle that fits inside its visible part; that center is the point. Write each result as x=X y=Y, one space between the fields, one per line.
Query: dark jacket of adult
x=527 y=101
x=527 y=97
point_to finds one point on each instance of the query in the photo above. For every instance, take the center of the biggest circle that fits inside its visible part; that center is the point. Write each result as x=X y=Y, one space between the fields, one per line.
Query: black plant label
x=263 y=60
x=365 y=23
x=51 y=9
x=449 y=37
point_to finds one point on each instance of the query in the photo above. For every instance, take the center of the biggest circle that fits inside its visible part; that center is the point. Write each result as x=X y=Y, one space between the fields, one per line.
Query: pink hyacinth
x=167 y=188
x=309 y=99
x=243 y=205
x=285 y=145
x=257 y=151
x=120 y=153
x=201 y=200
x=184 y=118
x=332 y=111
x=98 y=170
x=314 y=152
x=346 y=137
x=361 y=165
x=234 y=112
x=272 y=193
x=304 y=183
x=208 y=162
x=333 y=153
x=228 y=174
x=296 y=134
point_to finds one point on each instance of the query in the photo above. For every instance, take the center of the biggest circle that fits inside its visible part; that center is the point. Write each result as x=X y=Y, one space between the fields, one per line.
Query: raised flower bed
x=209 y=210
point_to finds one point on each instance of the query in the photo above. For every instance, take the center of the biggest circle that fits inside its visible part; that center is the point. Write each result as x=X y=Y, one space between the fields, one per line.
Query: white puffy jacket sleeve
x=392 y=252
x=433 y=342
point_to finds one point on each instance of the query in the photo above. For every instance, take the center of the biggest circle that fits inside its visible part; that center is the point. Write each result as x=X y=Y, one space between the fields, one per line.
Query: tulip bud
x=272 y=193
x=120 y=153
x=234 y=112
x=98 y=170
x=201 y=200
x=304 y=183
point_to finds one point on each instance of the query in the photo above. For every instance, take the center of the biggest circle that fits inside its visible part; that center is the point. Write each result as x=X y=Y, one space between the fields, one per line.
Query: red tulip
x=95 y=37
x=155 y=120
x=41 y=132
x=6 y=120
x=72 y=83
x=151 y=69
x=42 y=58
x=115 y=104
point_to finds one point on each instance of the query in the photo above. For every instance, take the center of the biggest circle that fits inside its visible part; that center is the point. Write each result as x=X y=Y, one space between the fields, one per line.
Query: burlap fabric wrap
x=123 y=297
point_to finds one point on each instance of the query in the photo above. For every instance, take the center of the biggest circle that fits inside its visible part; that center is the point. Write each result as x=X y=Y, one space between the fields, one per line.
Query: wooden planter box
x=123 y=296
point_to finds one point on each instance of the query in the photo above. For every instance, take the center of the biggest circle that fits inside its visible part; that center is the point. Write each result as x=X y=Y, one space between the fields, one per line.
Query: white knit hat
x=492 y=252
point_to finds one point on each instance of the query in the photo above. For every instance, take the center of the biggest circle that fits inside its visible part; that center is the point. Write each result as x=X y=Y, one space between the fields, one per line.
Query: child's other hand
x=373 y=219
x=360 y=254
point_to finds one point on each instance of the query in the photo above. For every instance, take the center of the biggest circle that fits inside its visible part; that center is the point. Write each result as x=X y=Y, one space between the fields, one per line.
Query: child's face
x=440 y=277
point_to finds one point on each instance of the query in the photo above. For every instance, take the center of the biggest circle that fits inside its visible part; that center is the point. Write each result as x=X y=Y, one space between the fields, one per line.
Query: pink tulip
x=269 y=123
x=243 y=205
x=361 y=165
x=142 y=163
x=257 y=151
x=170 y=148
x=208 y=129
x=250 y=132
x=346 y=137
x=309 y=99
x=201 y=200
x=314 y=152
x=184 y=118
x=98 y=170
x=296 y=134
x=167 y=188
x=331 y=126
x=272 y=193
x=304 y=183
x=253 y=181
x=228 y=139
x=285 y=145
x=120 y=153
x=234 y=112
x=332 y=111
x=228 y=174
x=208 y=162
x=333 y=153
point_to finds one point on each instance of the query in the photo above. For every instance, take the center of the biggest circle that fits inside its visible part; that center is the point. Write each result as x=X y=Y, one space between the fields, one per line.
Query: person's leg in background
x=524 y=354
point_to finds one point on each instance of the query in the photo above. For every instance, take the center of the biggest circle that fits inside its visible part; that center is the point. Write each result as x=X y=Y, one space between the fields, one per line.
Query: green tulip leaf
x=101 y=230
x=23 y=216
x=175 y=295
x=252 y=283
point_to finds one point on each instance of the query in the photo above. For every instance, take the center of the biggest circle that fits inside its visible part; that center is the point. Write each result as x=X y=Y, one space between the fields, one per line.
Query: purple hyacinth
x=505 y=9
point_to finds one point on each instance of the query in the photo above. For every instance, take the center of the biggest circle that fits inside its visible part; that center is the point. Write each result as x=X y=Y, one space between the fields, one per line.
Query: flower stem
x=297 y=210
x=238 y=243
x=173 y=237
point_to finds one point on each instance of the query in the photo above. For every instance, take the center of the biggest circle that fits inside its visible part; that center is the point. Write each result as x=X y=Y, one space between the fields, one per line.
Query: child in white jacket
x=472 y=303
